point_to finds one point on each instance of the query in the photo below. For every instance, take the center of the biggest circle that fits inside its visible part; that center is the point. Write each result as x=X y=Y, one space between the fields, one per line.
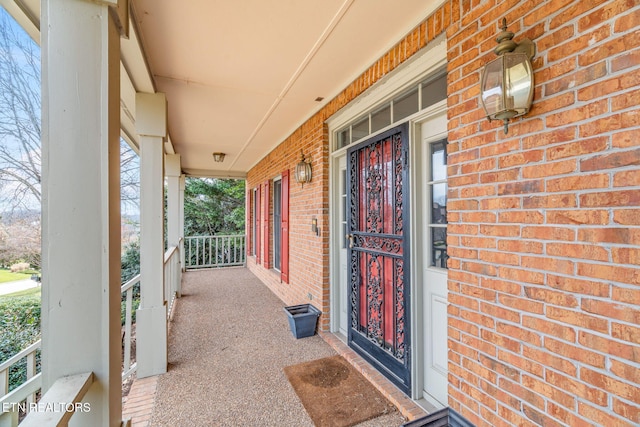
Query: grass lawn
x=7 y=276
x=27 y=292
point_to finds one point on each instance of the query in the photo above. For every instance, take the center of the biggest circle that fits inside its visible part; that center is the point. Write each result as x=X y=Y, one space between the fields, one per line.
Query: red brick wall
x=544 y=227
x=308 y=253
x=544 y=222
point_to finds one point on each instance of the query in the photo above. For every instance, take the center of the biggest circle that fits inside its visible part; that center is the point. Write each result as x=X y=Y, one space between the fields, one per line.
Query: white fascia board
x=128 y=110
x=136 y=77
x=24 y=16
x=134 y=61
x=206 y=173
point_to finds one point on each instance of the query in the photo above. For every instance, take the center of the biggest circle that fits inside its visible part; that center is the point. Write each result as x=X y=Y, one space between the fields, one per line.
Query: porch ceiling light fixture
x=507 y=81
x=303 y=170
x=218 y=157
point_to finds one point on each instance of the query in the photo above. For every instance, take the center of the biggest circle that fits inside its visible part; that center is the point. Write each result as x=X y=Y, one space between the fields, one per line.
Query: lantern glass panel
x=492 y=97
x=519 y=82
x=303 y=172
x=507 y=86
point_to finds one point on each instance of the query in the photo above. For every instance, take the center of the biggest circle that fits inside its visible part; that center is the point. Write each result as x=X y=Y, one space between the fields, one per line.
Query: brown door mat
x=335 y=394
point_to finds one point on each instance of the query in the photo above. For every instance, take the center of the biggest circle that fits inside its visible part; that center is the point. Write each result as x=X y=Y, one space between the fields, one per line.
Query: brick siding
x=544 y=222
x=308 y=253
x=544 y=237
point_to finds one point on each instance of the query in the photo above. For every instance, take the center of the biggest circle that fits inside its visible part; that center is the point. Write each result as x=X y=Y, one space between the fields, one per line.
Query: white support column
x=182 y=254
x=81 y=201
x=174 y=172
x=151 y=317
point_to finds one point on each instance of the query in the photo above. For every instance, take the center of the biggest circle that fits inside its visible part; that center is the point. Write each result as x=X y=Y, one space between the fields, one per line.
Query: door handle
x=350 y=237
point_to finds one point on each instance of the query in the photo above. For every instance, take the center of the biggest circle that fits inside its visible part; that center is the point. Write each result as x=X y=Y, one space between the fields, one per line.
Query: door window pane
x=343 y=138
x=438 y=203
x=360 y=129
x=434 y=91
x=439 y=247
x=405 y=105
x=381 y=118
x=438 y=162
x=419 y=96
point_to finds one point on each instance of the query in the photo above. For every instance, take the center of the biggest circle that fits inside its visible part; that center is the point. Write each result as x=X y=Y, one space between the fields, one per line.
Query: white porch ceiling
x=241 y=76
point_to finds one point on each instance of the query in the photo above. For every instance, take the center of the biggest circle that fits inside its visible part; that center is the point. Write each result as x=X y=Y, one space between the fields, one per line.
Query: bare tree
x=20 y=104
x=20 y=162
x=129 y=177
x=20 y=238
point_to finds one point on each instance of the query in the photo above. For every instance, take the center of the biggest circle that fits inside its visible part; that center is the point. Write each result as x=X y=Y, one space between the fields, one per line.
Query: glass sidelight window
x=343 y=207
x=438 y=203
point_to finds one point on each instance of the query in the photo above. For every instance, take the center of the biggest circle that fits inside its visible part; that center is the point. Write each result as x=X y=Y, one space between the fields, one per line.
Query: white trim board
x=428 y=61
x=425 y=62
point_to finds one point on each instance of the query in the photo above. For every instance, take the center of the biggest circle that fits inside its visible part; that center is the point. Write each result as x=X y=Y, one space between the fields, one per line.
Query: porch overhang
x=241 y=77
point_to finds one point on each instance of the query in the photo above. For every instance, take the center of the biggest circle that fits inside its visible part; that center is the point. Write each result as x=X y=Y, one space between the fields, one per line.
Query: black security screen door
x=379 y=254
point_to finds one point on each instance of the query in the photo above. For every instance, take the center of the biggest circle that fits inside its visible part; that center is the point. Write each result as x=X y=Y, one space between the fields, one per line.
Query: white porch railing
x=25 y=392
x=128 y=367
x=172 y=276
x=24 y=395
x=61 y=401
x=214 y=251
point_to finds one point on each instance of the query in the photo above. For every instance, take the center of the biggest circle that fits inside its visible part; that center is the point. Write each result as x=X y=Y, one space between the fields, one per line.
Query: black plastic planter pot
x=303 y=319
x=446 y=417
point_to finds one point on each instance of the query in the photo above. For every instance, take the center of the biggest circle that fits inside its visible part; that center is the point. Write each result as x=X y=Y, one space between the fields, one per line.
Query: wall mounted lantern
x=507 y=82
x=218 y=157
x=303 y=170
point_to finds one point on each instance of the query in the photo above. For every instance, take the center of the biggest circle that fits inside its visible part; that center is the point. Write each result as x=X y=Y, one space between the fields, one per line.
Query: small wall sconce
x=507 y=82
x=303 y=170
x=314 y=226
x=218 y=157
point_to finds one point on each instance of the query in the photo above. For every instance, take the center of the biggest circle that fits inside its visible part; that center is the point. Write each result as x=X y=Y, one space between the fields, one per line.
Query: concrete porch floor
x=229 y=341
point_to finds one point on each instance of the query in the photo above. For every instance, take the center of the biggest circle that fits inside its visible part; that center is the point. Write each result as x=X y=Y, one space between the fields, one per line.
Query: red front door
x=378 y=254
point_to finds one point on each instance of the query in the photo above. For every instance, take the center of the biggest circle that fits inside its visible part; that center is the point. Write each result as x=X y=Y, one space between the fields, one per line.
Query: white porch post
x=81 y=202
x=151 y=317
x=174 y=233
x=181 y=210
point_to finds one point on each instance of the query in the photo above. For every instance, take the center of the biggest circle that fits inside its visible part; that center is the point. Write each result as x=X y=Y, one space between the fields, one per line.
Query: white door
x=434 y=257
x=342 y=244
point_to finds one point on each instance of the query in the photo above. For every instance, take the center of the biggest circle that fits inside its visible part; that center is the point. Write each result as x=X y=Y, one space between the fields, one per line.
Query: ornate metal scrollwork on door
x=400 y=309
x=376 y=224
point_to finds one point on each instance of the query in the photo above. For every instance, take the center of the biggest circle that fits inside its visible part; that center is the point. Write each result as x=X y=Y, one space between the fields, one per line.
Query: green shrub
x=135 y=303
x=130 y=262
x=19 y=328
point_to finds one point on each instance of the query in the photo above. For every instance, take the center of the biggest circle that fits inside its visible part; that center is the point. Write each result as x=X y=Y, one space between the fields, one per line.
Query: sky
x=130 y=167
x=31 y=81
